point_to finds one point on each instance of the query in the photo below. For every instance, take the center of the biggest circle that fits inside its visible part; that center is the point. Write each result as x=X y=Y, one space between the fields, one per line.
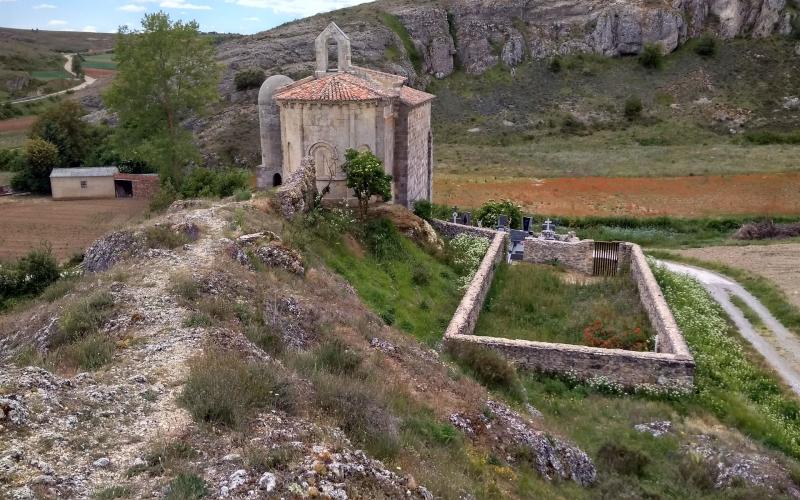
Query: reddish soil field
x=17 y=124
x=99 y=73
x=748 y=194
x=69 y=226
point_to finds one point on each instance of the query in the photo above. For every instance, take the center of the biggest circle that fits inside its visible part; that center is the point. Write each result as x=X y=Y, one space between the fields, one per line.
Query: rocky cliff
x=479 y=34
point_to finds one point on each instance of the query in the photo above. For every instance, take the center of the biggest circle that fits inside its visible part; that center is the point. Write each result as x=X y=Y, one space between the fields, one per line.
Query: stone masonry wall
x=419 y=129
x=450 y=230
x=572 y=255
x=144 y=185
x=670 y=367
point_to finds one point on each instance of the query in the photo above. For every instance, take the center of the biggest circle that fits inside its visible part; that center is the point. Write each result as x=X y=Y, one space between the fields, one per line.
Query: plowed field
x=695 y=196
x=69 y=226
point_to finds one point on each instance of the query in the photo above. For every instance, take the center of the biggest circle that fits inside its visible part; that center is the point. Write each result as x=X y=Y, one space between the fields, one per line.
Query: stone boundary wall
x=144 y=185
x=671 y=367
x=669 y=338
x=451 y=230
x=577 y=255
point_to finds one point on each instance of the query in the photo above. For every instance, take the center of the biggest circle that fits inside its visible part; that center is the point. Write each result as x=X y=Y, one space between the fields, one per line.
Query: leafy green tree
x=365 y=176
x=166 y=72
x=40 y=158
x=77 y=64
x=62 y=126
x=652 y=56
x=249 y=78
x=490 y=212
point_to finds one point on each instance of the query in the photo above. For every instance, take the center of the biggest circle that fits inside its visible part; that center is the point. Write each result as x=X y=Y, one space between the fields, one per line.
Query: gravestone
x=527 y=223
x=502 y=223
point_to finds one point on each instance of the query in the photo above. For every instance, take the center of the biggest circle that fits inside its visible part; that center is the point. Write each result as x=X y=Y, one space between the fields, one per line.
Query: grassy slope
x=676 y=137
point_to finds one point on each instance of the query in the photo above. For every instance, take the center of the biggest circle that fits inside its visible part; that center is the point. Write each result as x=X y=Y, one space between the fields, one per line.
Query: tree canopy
x=365 y=176
x=166 y=72
x=63 y=127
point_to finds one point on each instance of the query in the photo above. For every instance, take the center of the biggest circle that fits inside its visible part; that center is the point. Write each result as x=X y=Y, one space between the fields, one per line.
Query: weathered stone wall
x=466 y=315
x=450 y=230
x=572 y=255
x=669 y=338
x=419 y=154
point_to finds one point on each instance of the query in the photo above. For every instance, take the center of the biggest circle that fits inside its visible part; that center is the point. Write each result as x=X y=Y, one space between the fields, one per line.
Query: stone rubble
x=655 y=429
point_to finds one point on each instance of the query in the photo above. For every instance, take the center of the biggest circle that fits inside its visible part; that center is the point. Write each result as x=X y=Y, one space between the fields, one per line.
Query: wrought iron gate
x=605 y=258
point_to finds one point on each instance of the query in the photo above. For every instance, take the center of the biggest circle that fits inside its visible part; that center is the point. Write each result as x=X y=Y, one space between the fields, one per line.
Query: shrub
x=466 y=254
x=164 y=197
x=113 y=492
x=633 y=108
x=420 y=276
x=598 y=335
x=489 y=367
x=652 y=56
x=555 y=64
x=207 y=183
x=334 y=356
x=29 y=275
x=88 y=353
x=430 y=429
x=623 y=460
x=216 y=308
x=164 y=237
x=489 y=213
x=706 y=46
x=383 y=240
x=164 y=456
x=40 y=158
x=267 y=337
x=570 y=125
x=186 y=487
x=423 y=209
x=795 y=24
x=223 y=388
x=83 y=318
x=251 y=78
x=242 y=195
x=361 y=414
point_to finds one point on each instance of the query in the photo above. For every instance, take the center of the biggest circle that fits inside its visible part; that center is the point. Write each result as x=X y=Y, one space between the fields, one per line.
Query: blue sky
x=236 y=16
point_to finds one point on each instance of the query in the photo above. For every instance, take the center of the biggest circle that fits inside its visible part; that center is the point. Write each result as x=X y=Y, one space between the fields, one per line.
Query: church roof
x=335 y=87
x=413 y=97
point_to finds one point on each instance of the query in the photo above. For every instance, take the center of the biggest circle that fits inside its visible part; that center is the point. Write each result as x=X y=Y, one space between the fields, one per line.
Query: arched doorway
x=277 y=180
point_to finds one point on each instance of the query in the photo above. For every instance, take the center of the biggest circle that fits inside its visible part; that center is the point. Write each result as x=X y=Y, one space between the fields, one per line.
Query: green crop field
x=100 y=61
x=51 y=75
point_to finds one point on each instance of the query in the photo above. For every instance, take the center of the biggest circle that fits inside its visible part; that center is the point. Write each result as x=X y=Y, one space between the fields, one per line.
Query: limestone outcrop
x=299 y=193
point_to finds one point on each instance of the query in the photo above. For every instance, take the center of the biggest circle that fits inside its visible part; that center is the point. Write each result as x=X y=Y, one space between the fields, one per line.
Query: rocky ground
x=71 y=435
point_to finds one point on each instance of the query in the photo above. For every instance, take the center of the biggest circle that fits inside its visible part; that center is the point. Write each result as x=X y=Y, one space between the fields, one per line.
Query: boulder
x=299 y=193
x=275 y=254
x=110 y=249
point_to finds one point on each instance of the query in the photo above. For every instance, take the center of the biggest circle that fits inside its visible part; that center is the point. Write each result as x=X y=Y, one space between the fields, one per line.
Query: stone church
x=348 y=107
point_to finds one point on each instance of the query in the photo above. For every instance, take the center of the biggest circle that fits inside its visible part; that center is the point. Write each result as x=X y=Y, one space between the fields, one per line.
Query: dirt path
x=87 y=81
x=779 y=263
x=779 y=346
x=694 y=196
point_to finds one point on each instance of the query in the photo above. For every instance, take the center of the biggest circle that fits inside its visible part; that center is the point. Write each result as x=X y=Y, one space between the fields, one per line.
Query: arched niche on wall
x=327 y=161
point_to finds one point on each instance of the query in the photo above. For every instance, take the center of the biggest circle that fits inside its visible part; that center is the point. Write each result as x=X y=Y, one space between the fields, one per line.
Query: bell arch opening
x=343 y=52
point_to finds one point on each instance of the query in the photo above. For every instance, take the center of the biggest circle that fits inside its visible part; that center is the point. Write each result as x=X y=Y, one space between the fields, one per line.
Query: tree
x=165 y=73
x=365 y=176
x=249 y=79
x=63 y=127
x=490 y=213
x=77 y=64
x=40 y=158
x=652 y=56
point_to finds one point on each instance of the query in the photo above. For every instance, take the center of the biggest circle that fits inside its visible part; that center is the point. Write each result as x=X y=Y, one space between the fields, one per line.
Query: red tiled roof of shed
x=335 y=87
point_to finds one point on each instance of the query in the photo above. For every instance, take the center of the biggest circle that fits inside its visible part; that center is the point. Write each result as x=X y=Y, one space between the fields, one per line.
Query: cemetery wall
x=576 y=256
x=450 y=230
x=671 y=367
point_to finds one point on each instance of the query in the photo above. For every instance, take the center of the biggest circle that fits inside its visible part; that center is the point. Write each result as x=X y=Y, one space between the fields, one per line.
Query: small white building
x=83 y=183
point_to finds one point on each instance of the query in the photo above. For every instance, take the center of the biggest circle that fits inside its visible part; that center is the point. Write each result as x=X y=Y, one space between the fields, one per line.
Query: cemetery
x=556 y=304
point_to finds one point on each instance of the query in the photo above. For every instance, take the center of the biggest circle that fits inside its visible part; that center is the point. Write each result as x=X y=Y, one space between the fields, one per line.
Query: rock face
x=297 y=196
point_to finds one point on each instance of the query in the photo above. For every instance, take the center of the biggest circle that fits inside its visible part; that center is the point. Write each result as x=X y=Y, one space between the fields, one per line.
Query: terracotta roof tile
x=334 y=87
x=413 y=97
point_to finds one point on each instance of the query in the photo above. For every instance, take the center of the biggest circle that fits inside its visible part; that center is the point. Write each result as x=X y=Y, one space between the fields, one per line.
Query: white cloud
x=303 y=8
x=90 y=29
x=44 y=6
x=56 y=22
x=132 y=8
x=252 y=18
x=180 y=4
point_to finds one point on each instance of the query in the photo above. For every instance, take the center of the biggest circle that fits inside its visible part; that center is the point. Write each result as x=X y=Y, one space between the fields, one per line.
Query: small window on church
x=84 y=185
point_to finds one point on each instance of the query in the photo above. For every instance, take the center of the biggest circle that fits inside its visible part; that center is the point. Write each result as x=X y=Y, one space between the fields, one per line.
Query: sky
x=225 y=16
